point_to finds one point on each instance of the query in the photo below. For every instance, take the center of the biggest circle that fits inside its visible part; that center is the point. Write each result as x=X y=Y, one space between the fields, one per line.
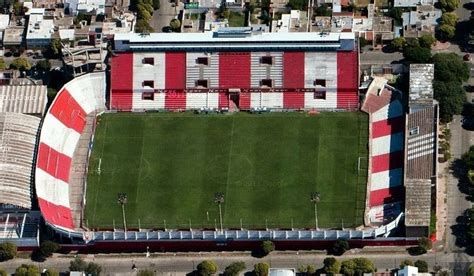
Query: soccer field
x=170 y=165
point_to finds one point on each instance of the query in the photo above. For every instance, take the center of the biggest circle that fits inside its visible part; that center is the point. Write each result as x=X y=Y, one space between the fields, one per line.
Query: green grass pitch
x=171 y=165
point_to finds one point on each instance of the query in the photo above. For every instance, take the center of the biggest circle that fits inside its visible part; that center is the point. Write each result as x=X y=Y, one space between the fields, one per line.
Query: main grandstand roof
x=17 y=146
x=28 y=99
x=234 y=39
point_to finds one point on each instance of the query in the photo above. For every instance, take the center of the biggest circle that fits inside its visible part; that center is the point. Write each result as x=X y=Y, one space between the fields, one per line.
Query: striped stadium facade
x=62 y=127
x=290 y=78
x=386 y=152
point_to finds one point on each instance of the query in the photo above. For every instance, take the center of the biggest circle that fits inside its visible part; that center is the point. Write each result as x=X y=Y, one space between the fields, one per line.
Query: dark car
x=166 y=29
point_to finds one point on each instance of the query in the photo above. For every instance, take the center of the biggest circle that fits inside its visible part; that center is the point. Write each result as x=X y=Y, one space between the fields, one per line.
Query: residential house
x=422 y=21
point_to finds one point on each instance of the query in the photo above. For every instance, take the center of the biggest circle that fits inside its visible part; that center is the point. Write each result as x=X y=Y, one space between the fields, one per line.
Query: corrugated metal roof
x=417 y=202
x=421 y=83
x=27 y=99
x=18 y=134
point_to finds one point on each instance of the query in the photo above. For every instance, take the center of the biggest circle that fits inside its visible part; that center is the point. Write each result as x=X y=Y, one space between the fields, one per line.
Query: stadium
x=154 y=150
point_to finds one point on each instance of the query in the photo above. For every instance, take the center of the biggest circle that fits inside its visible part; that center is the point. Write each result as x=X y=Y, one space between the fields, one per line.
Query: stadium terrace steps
x=347 y=80
x=62 y=128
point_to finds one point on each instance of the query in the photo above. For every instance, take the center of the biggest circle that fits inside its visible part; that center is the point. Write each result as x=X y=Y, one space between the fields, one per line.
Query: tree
x=470 y=271
x=142 y=26
x=3 y=65
x=447 y=32
x=27 y=270
x=426 y=41
x=51 y=272
x=449 y=18
x=424 y=245
x=322 y=10
x=7 y=251
x=175 y=25
x=206 y=268
x=307 y=269
x=422 y=266
x=43 y=65
x=156 y=4
x=3 y=272
x=331 y=265
x=93 y=269
x=468 y=158
x=234 y=268
x=145 y=272
x=267 y=247
x=451 y=98
x=340 y=247
x=449 y=67
x=363 y=42
x=398 y=43
x=78 y=264
x=449 y=5
x=261 y=269
x=396 y=14
x=417 y=54
x=21 y=64
x=301 y=5
x=357 y=266
x=47 y=248
x=405 y=263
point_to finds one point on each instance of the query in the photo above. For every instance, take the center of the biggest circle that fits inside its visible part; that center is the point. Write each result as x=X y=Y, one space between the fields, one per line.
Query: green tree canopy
x=3 y=272
x=447 y=32
x=322 y=10
x=451 y=99
x=405 y=263
x=470 y=271
x=78 y=264
x=175 y=25
x=398 y=43
x=261 y=269
x=93 y=269
x=8 y=251
x=21 y=64
x=145 y=272
x=331 y=265
x=357 y=266
x=142 y=26
x=426 y=41
x=51 y=272
x=207 y=268
x=27 y=270
x=449 y=67
x=449 y=5
x=422 y=266
x=156 y=4
x=301 y=5
x=234 y=269
x=267 y=247
x=3 y=65
x=43 y=65
x=417 y=54
x=340 y=247
x=449 y=18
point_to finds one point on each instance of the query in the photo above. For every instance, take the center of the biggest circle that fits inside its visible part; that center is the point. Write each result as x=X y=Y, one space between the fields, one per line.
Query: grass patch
x=236 y=19
x=170 y=165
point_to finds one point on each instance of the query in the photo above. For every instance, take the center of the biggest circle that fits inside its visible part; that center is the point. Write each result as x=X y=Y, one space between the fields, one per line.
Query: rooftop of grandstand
x=379 y=94
x=234 y=39
x=27 y=99
x=17 y=145
x=417 y=202
x=421 y=84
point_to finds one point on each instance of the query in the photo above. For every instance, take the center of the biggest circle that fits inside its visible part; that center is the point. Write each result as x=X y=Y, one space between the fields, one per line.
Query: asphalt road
x=163 y=16
x=168 y=264
x=461 y=12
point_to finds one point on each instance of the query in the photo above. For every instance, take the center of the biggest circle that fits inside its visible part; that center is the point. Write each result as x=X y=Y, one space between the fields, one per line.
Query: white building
x=85 y=6
x=39 y=29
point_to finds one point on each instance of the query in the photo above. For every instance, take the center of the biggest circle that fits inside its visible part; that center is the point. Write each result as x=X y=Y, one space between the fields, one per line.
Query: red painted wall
x=122 y=81
x=234 y=70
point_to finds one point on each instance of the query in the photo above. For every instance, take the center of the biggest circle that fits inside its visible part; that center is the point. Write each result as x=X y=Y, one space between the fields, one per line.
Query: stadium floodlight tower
x=219 y=199
x=122 y=200
x=315 y=198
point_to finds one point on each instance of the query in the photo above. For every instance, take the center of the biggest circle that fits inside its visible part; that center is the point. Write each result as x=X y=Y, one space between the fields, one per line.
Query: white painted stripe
x=196 y=100
x=387 y=144
x=52 y=189
x=391 y=110
x=320 y=65
x=420 y=143
x=414 y=139
x=88 y=91
x=255 y=100
x=420 y=154
x=56 y=135
x=145 y=72
x=330 y=101
x=386 y=179
x=421 y=148
x=272 y=100
x=213 y=100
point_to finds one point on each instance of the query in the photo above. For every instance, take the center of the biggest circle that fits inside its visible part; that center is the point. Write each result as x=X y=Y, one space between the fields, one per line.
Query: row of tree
x=144 y=10
x=9 y=251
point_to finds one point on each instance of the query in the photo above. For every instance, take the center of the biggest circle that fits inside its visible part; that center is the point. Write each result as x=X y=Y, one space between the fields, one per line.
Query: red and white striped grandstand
x=250 y=69
x=386 y=151
x=62 y=128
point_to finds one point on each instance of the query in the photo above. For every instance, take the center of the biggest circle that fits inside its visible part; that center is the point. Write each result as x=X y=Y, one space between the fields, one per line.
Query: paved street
x=461 y=12
x=163 y=16
x=168 y=264
x=379 y=57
